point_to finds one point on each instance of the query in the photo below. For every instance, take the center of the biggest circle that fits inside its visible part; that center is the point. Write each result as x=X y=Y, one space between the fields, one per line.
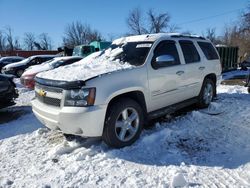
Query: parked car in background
x=8 y=91
x=27 y=78
x=8 y=60
x=137 y=79
x=18 y=68
x=85 y=50
x=245 y=64
x=248 y=82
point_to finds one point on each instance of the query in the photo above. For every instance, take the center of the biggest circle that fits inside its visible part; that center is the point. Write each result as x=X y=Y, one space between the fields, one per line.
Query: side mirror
x=164 y=61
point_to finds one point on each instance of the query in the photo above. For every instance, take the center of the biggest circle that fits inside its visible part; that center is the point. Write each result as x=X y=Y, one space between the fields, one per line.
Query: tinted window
x=134 y=53
x=86 y=49
x=34 y=61
x=208 y=50
x=71 y=61
x=43 y=59
x=189 y=51
x=166 y=48
x=15 y=60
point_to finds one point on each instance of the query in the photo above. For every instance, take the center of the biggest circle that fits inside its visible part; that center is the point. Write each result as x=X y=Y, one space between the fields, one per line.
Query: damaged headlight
x=80 y=97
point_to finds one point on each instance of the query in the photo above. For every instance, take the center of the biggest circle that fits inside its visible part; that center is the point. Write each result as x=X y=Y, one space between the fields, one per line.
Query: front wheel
x=123 y=123
x=207 y=93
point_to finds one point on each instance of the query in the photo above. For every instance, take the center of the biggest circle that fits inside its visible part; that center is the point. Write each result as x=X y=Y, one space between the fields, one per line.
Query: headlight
x=80 y=97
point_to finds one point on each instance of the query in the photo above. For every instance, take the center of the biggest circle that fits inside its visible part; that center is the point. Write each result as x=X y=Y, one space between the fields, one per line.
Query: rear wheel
x=207 y=93
x=123 y=124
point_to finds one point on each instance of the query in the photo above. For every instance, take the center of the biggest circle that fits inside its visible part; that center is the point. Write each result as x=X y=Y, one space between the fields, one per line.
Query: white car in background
x=113 y=94
x=18 y=68
x=28 y=77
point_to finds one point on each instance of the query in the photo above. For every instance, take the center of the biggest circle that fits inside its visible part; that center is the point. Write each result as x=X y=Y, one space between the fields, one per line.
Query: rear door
x=194 y=69
x=164 y=82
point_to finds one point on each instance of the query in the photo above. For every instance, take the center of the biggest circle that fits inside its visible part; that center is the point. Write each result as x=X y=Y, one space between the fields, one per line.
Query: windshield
x=57 y=63
x=134 y=53
x=25 y=60
x=77 y=51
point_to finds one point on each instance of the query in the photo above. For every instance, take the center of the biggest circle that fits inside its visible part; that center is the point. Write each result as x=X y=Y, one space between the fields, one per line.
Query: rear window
x=208 y=50
x=189 y=51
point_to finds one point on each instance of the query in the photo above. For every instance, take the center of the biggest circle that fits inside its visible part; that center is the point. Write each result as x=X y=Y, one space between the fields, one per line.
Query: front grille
x=52 y=97
x=48 y=100
x=47 y=88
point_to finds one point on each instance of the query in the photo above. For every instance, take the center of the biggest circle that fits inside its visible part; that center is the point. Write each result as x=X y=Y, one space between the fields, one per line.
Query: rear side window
x=15 y=60
x=190 y=53
x=208 y=50
x=43 y=59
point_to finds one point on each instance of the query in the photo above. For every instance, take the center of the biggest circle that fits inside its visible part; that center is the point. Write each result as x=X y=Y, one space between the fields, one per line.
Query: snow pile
x=193 y=150
x=178 y=181
x=93 y=65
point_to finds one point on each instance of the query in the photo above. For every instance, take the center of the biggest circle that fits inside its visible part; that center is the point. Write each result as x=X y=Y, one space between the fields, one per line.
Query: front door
x=164 y=81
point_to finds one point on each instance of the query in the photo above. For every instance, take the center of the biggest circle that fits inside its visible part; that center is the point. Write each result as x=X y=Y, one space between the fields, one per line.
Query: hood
x=37 y=68
x=17 y=64
x=93 y=65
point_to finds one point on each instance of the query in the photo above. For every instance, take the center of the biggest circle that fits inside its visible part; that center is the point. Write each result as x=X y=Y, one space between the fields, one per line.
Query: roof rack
x=188 y=36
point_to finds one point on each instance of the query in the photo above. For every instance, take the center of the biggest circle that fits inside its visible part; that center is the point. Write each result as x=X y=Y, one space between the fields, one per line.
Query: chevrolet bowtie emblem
x=42 y=93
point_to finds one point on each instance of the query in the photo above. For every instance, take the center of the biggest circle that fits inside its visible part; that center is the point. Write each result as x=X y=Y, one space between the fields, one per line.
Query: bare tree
x=45 y=41
x=38 y=46
x=29 y=39
x=158 y=22
x=2 y=41
x=77 y=33
x=17 y=45
x=172 y=28
x=245 y=21
x=9 y=38
x=135 y=22
x=211 y=34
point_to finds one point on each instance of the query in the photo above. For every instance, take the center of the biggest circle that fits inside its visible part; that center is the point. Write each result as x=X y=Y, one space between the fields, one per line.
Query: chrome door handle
x=202 y=68
x=180 y=72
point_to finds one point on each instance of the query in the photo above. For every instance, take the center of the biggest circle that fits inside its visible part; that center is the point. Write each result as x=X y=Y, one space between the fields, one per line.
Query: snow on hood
x=93 y=65
x=37 y=68
x=44 y=66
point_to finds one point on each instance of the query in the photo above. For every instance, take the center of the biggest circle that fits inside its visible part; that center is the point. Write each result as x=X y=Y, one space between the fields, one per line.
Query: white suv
x=113 y=93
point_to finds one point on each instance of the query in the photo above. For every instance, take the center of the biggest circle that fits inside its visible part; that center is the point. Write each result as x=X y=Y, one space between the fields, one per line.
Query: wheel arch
x=212 y=76
x=136 y=95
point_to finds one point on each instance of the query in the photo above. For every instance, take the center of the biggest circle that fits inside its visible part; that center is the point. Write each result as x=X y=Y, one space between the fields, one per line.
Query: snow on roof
x=49 y=55
x=150 y=37
x=67 y=57
x=9 y=57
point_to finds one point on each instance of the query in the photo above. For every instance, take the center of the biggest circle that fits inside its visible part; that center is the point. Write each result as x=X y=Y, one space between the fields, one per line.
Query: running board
x=172 y=108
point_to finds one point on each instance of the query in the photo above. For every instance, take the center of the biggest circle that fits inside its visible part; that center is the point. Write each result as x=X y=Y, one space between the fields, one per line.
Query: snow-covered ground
x=193 y=150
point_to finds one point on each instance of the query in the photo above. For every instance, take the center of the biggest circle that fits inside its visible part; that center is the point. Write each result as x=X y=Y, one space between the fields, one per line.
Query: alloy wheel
x=127 y=124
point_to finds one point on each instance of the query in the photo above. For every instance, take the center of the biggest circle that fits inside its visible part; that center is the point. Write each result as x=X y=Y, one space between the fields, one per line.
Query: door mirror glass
x=164 y=61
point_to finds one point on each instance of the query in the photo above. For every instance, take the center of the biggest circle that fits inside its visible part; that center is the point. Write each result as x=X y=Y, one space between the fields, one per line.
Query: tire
x=207 y=93
x=69 y=137
x=123 y=123
x=248 y=89
x=19 y=73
